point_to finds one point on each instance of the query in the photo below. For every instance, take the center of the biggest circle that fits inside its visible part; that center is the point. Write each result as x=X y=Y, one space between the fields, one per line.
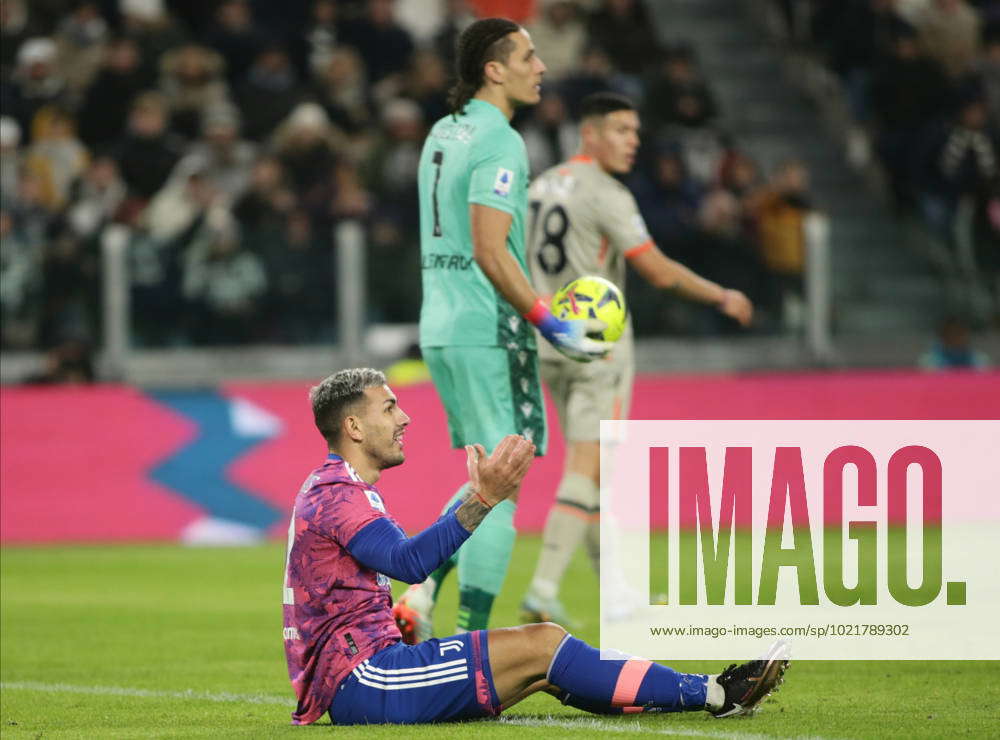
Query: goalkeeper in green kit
x=478 y=304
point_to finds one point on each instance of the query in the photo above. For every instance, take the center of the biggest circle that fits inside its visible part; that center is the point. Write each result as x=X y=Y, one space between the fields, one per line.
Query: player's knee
x=579 y=491
x=545 y=637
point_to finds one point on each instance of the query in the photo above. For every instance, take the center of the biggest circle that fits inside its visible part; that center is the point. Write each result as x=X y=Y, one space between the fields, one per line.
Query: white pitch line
x=582 y=723
x=593 y=724
x=223 y=696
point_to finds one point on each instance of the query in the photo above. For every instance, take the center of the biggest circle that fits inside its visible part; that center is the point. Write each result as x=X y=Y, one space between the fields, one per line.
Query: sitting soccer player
x=345 y=653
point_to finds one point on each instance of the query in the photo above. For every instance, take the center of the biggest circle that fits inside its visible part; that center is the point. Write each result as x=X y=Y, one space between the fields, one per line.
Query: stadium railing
x=347 y=275
x=818 y=283
x=358 y=343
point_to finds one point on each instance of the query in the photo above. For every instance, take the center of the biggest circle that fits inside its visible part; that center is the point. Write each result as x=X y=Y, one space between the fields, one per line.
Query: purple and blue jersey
x=342 y=549
x=346 y=656
x=337 y=612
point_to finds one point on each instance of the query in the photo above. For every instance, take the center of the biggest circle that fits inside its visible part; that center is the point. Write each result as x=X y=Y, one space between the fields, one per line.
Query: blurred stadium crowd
x=923 y=82
x=232 y=137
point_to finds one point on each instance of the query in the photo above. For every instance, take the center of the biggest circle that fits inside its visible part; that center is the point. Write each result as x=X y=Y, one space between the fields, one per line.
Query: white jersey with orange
x=582 y=222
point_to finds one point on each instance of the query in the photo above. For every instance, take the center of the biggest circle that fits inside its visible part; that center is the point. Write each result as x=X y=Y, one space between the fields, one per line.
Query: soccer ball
x=592 y=297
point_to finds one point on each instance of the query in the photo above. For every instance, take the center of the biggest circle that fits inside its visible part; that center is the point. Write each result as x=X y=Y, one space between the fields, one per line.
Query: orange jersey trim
x=638 y=249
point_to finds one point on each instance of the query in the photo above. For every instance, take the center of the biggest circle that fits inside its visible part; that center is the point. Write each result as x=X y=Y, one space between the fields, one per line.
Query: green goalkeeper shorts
x=488 y=393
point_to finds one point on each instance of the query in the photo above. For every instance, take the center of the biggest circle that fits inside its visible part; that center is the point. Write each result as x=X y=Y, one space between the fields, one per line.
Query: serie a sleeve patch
x=503 y=182
x=375 y=500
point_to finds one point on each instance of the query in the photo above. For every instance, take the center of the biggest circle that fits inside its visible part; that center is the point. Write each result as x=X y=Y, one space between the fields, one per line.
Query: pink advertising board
x=115 y=463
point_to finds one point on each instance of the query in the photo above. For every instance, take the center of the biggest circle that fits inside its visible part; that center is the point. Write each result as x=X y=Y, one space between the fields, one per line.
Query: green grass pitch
x=167 y=641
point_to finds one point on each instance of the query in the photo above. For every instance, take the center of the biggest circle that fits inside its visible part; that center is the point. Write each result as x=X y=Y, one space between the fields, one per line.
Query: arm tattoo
x=471 y=512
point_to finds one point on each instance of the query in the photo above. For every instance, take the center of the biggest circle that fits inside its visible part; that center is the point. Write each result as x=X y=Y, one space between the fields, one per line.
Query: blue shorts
x=440 y=680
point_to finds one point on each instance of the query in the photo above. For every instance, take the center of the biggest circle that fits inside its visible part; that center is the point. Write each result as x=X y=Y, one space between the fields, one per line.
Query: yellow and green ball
x=592 y=297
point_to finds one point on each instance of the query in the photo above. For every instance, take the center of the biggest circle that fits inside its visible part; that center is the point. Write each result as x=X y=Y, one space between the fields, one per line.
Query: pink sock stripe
x=629 y=681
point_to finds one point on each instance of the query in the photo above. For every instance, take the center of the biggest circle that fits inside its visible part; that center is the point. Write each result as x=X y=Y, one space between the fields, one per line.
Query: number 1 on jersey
x=438 y=160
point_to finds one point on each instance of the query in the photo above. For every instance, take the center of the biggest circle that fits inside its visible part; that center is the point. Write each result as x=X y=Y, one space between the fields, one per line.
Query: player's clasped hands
x=498 y=476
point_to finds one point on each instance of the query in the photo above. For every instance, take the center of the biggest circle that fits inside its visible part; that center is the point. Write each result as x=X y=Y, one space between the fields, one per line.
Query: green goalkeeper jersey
x=471 y=158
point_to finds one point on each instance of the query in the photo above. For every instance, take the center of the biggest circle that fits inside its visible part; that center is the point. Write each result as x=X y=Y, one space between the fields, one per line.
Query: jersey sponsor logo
x=454 y=132
x=558 y=185
x=375 y=500
x=503 y=181
x=291 y=633
x=446 y=262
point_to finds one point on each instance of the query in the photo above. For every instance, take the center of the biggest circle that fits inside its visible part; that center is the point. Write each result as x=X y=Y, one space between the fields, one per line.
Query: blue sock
x=578 y=670
x=572 y=700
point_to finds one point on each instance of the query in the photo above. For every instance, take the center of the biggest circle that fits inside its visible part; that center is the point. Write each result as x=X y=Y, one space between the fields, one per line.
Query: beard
x=387 y=456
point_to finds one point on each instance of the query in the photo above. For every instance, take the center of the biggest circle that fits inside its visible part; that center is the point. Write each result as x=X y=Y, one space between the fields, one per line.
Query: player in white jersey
x=585 y=222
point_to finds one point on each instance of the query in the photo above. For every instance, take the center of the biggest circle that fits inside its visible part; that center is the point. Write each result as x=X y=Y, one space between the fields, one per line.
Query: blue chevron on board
x=198 y=470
